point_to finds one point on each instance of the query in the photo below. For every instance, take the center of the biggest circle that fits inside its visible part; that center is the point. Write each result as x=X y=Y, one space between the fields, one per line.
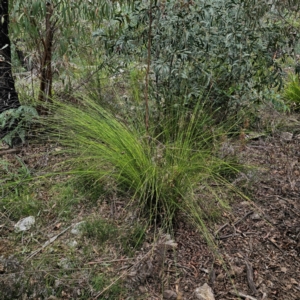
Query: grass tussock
x=160 y=171
x=292 y=92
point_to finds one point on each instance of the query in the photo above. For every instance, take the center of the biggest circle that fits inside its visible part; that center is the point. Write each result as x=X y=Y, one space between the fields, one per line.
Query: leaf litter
x=258 y=242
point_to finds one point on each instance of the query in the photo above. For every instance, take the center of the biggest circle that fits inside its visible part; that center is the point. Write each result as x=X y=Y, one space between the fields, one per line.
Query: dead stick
x=239 y=294
x=221 y=228
x=107 y=261
x=47 y=243
x=250 y=277
x=244 y=217
x=10 y=151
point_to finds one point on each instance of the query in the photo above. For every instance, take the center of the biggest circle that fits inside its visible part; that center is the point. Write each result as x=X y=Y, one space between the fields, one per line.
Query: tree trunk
x=8 y=95
x=46 y=68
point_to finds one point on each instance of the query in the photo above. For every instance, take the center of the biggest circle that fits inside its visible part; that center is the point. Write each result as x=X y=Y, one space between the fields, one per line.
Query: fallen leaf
x=57 y=226
x=283 y=269
x=294 y=281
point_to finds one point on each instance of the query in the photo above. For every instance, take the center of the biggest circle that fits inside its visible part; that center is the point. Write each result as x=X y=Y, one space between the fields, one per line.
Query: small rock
x=255 y=217
x=170 y=295
x=64 y=263
x=24 y=224
x=77 y=228
x=72 y=244
x=245 y=203
x=286 y=136
x=142 y=289
x=204 y=292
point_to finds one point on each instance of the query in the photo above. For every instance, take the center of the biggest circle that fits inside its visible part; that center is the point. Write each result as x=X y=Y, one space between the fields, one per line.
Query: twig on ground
x=182 y=267
x=250 y=277
x=109 y=286
x=10 y=151
x=244 y=217
x=220 y=229
x=108 y=261
x=47 y=243
x=275 y=245
x=125 y=273
x=239 y=294
x=224 y=237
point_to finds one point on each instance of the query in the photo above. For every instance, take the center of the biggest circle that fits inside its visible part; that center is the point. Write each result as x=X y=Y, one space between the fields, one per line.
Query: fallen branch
x=10 y=151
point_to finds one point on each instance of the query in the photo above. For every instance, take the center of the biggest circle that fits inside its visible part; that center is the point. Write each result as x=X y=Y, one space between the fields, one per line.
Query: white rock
x=24 y=224
x=64 y=263
x=77 y=228
x=204 y=292
x=255 y=217
x=286 y=136
x=72 y=244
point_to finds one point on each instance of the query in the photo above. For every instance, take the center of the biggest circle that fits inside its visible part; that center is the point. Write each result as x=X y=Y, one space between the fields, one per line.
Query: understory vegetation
x=137 y=131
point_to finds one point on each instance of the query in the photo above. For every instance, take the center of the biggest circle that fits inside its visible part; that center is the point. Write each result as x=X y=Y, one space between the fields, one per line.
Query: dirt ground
x=258 y=242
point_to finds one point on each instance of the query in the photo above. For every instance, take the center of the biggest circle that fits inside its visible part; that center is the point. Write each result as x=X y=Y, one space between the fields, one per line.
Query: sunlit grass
x=292 y=92
x=159 y=172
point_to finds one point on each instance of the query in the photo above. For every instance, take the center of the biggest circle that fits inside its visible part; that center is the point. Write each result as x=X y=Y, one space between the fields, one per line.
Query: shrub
x=218 y=50
x=14 y=123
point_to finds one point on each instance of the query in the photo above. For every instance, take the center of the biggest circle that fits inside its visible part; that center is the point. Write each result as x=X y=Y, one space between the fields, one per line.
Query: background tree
x=8 y=95
x=223 y=53
x=57 y=34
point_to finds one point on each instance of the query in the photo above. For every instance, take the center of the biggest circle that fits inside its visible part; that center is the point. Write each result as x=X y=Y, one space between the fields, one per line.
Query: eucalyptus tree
x=55 y=30
x=8 y=94
x=52 y=30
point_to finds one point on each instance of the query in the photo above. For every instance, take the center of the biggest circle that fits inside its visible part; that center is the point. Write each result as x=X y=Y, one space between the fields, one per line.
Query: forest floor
x=258 y=240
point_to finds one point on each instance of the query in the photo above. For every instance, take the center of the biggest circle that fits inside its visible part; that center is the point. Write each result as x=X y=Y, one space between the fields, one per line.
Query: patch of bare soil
x=258 y=242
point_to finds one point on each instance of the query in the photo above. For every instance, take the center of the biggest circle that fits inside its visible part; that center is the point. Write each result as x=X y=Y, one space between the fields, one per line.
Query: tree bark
x=8 y=95
x=46 y=68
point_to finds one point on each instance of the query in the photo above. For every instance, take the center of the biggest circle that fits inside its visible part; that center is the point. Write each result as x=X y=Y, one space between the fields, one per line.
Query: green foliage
x=217 y=50
x=72 y=24
x=11 y=173
x=16 y=197
x=63 y=200
x=100 y=230
x=292 y=92
x=137 y=76
x=88 y=186
x=101 y=281
x=15 y=121
x=20 y=204
x=278 y=101
x=133 y=238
